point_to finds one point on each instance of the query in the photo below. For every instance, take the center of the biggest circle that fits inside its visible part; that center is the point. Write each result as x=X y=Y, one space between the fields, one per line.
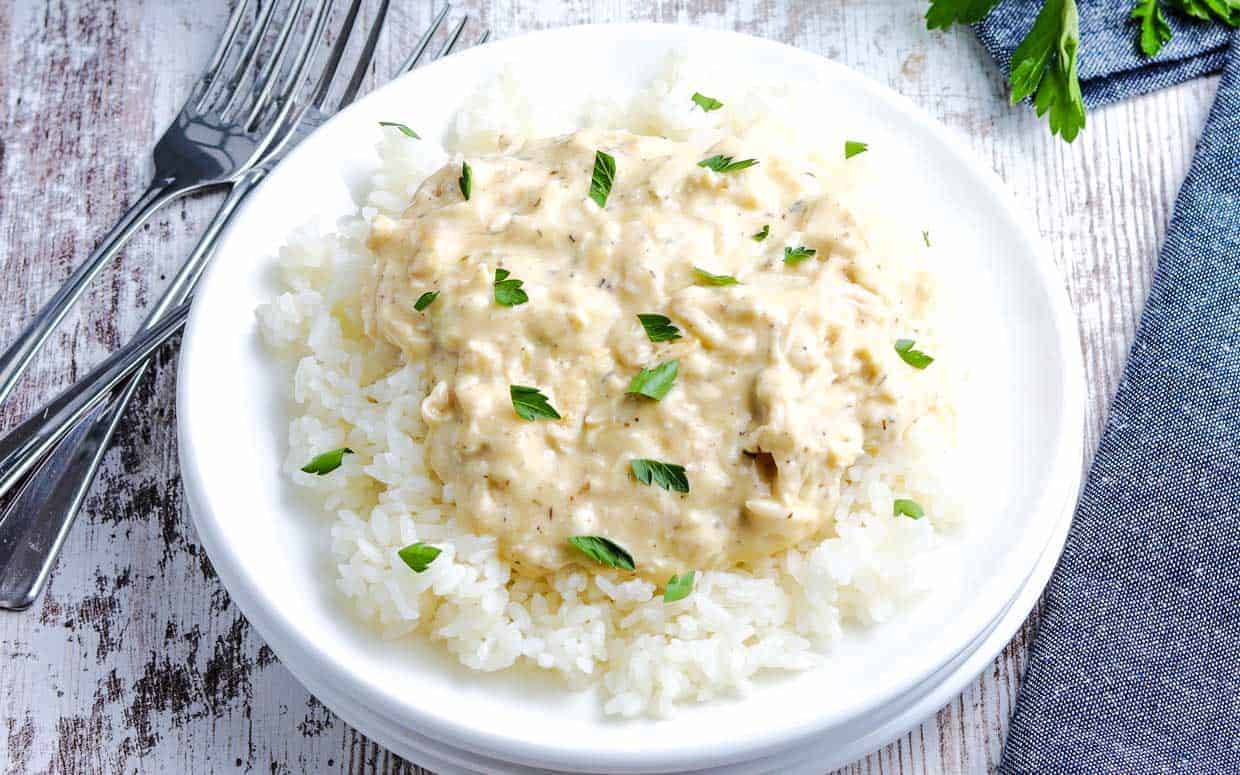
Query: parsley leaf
x=654 y=383
x=1044 y=67
x=418 y=556
x=915 y=358
x=326 y=462
x=715 y=279
x=466 y=181
x=530 y=404
x=425 y=300
x=405 y=130
x=766 y=230
x=944 y=13
x=725 y=164
x=853 y=148
x=925 y=237
x=669 y=476
x=1226 y=11
x=601 y=180
x=508 y=292
x=903 y=507
x=1154 y=28
x=797 y=255
x=604 y=551
x=659 y=328
x=706 y=103
x=678 y=587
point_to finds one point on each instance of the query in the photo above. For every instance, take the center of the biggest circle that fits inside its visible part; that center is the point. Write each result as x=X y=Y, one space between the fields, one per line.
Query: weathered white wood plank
x=136 y=661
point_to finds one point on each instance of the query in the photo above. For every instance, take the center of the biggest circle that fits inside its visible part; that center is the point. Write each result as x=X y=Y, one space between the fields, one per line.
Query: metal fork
x=228 y=122
x=36 y=523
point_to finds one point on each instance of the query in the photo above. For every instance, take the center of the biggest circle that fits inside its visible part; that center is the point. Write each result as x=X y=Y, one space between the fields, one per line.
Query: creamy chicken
x=784 y=379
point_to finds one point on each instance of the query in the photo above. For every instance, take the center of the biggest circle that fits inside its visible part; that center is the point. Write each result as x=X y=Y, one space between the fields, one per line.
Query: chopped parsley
x=508 y=291
x=725 y=164
x=796 y=255
x=915 y=358
x=678 y=587
x=659 y=328
x=601 y=180
x=654 y=383
x=425 y=300
x=604 y=551
x=853 y=148
x=530 y=404
x=418 y=556
x=706 y=103
x=715 y=279
x=404 y=129
x=669 y=476
x=466 y=180
x=925 y=237
x=761 y=235
x=903 y=507
x=326 y=462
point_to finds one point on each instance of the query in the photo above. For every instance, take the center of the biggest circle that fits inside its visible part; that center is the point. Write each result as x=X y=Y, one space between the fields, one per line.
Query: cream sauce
x=783 y=380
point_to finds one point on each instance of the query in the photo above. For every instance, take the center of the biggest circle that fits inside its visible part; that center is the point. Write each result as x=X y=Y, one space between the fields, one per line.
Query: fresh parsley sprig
x=1044 y=65
x=1156 y=31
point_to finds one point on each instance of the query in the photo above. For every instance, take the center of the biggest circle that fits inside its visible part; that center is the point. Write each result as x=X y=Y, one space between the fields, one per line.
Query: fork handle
x=15 y=359
x=37 y=521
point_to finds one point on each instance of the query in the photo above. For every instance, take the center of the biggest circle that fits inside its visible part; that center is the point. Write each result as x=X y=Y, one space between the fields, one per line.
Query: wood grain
x=135 y=660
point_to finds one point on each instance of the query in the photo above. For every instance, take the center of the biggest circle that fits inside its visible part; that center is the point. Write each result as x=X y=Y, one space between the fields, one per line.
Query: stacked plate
x=274 y=559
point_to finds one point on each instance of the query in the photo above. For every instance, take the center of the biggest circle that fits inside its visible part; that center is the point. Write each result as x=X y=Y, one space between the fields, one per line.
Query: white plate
x=272 y=552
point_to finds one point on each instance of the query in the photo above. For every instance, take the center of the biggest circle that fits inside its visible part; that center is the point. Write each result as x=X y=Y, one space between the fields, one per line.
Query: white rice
x=594 y=628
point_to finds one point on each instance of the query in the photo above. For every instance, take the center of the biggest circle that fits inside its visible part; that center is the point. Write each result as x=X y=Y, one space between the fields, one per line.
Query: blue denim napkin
x=1136 y=664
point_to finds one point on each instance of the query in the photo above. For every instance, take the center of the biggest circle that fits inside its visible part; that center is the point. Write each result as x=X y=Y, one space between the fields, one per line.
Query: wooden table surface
x=136 y=660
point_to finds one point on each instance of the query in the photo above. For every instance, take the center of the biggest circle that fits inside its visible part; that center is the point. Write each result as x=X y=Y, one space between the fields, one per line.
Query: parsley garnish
x=1044 y=66
x=466 y=180
x=425 y=300
x=654 y=383
x=530 y=404
x=326 y=462
x=604 y=551
x=678 y=587
x=903 y=507
x=915 y=358
x=1154 y=28
x=418 y=556
x=766 y=229
x=508 y=292
x=659 y=328
x=798 y=254
x=852 y=148
x=669 y=476
x=725 y=164
x=944 y=13
x=601 y=180
x=405 y=130
x=715 y=279
x=706 y=103
x=925 y=237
